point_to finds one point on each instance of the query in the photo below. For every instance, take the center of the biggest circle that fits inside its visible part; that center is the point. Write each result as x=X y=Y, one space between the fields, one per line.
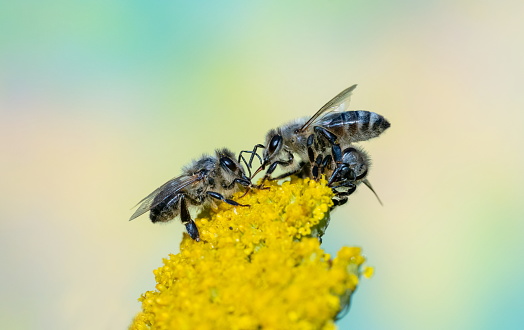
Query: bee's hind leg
x=191 y=227
x=342 y=173
x=341 y=197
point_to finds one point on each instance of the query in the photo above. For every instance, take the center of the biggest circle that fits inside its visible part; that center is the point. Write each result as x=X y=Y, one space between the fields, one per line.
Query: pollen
x=256 y=267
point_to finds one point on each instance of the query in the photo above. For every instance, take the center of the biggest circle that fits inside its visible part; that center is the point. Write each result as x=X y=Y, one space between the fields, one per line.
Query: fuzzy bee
x=323 y=144
x=202 y=182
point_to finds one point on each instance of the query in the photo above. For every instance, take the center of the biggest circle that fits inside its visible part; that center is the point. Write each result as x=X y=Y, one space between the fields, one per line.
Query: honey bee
x=323 y=144
x=205 y=180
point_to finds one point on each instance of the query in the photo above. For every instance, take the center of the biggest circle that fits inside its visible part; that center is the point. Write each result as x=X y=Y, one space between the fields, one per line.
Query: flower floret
x=257 y=267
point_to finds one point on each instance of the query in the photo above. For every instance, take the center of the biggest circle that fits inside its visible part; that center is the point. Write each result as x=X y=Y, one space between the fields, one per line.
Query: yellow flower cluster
x=257 y=267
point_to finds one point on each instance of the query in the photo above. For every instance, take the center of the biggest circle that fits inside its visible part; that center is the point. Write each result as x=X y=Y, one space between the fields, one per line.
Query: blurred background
x=102 y=102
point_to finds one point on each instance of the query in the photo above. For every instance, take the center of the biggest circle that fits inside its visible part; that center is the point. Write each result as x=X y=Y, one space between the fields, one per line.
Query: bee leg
x=240 y=157
x=342 y=174
x=332 y=138
x=223 y=199
x=316 y=166
x=290 y=173
x=338 y=172
x=253 y=154
x=315 y=162
x=310 y=153
x=339 y=201
x=347 y=192
x=274 y=165
x=341 y=196
x=325 y=163
x=267 y=176
x=337 y=153
x=242 y=182
x=191 y=227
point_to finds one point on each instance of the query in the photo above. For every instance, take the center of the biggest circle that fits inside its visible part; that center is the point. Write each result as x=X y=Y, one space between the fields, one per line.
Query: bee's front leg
x=223 y=199
x=282 y=163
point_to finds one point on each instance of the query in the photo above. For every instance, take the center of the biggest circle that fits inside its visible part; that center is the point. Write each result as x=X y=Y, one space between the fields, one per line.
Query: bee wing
x=164 y=191
x=338 y=103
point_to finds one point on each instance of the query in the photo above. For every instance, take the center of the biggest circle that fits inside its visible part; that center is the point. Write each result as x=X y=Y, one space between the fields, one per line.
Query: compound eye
x=274 y=143
x=227 y=162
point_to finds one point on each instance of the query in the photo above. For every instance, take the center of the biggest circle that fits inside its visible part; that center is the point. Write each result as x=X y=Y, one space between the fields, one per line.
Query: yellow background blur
x=101 y=103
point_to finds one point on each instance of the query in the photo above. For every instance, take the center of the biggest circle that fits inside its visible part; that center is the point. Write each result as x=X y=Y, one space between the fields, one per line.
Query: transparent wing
x=164 y=191
x=338 y=103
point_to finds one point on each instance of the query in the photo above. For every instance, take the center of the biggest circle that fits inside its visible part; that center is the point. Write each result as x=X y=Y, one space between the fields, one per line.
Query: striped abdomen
x=166 y=210
x=354 y=126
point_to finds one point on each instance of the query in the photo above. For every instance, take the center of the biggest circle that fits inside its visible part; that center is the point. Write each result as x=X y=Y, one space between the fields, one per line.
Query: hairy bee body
x=167 y=207
x=289 y=147
x=323 y=144
x=204 y=181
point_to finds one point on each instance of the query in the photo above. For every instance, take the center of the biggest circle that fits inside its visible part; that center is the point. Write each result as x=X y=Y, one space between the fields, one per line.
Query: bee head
x=230 y=166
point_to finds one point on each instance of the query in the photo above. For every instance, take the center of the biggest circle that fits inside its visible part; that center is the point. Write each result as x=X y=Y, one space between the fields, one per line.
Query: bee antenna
x=240 y=157
x=368 y=184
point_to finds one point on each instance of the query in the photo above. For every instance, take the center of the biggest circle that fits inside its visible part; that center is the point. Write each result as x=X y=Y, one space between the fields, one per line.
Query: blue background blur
x=103 y=101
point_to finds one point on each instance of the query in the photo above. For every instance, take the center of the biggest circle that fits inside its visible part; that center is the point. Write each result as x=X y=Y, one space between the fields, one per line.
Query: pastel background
x=103 y=101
